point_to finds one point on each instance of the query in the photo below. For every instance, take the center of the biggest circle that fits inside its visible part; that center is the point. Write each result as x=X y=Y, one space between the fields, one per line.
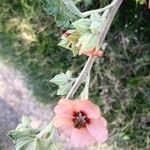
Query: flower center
x=80 y=119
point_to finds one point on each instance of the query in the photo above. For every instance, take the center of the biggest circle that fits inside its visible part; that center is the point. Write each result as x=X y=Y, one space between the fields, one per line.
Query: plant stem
x=47 y=129
x=85 y=93
x=90 y=61
x=81 y=77
x=87 y=13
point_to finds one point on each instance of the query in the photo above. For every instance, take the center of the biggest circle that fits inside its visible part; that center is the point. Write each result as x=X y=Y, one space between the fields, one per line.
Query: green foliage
x=119 y=81
x=63 y=11
x=83 y=37
x=28 y=41
x=26 y=138
x=64 y=81
x=123 y=89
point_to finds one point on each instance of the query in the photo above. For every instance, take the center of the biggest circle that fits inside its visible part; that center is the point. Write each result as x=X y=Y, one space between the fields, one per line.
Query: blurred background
x=120 y=80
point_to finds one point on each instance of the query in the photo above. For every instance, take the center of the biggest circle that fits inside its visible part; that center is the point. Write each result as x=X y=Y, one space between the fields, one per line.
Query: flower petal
x=103 y=121
x=81 y=138
x=64 y=108
x=63 y=124
x=97 y=128
x=88 y=107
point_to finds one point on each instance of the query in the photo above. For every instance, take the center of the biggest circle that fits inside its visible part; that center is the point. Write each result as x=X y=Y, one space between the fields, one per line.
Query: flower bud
x=95 y=17
x=89 y=42
x=82 y=25
x=93 y=53
x=95 y=27
x=66 y=34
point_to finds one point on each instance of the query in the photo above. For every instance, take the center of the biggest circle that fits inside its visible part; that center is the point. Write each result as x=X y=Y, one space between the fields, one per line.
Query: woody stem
x=104 y=30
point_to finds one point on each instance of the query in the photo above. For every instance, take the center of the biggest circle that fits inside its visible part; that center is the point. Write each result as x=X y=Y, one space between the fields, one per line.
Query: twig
x=81 y=77
x=85 y=93
x=87 y=13
x=90 y=61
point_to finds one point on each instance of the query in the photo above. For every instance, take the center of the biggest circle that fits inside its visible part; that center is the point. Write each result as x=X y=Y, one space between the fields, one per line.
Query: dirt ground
x=16 y=100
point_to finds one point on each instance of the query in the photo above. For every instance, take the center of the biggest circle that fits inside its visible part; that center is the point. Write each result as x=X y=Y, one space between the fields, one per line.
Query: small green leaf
x=69 y=73
x=41 y=144
x=26 y=138
x=71 y=7
x=64 y=89
x=64 y=81
x=60 y=79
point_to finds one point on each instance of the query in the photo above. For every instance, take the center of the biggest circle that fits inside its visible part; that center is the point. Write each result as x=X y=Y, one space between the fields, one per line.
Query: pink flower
x=81 y=121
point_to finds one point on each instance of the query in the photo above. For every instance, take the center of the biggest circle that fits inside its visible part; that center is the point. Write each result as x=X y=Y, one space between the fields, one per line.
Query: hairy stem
x=81 y=77
x=49 y=128
x=85 y=92
x=87 y=13
x=90 y=61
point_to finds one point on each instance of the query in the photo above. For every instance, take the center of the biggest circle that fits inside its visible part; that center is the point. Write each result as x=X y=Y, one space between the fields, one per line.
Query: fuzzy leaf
x=64 y=89
x=60 y=79
x=64 y=81
x=63 y=11
x=27 y=138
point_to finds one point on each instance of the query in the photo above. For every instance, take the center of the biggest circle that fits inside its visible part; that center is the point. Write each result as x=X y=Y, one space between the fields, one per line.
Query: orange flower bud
x=94 y=52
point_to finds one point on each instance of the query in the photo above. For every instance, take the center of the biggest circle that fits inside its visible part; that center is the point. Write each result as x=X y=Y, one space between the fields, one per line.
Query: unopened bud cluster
x=83 y=38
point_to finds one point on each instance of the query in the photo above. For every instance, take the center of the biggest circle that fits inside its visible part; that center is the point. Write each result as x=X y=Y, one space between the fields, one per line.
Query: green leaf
x=72 y=8
x=26 y=138
x=64 y=89
x=21 y=135
x=63 y=11
x=41 y=144
x=64 y=81
x=69 y=73
x=25 y=122
x=60 y=79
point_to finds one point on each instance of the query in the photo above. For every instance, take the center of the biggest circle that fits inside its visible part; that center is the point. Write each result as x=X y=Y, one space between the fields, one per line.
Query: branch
x=87 y=13
x=81 y=77
x=112 y=12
